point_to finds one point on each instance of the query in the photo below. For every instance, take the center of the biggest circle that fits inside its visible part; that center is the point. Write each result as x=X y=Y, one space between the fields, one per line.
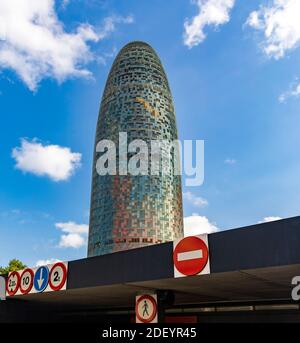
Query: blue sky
x=233 y=68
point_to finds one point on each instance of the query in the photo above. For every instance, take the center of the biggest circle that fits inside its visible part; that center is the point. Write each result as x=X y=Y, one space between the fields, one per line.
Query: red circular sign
x=57 y=276
x=190 y=255
x=153 y=314
x=26 y=281
x=13 y=283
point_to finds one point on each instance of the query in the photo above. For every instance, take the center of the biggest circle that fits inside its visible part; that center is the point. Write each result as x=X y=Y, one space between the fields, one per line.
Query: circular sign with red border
x=190 y=255
x=26 y=281
x=58 y=276
x=13 y=283
x=146 y=308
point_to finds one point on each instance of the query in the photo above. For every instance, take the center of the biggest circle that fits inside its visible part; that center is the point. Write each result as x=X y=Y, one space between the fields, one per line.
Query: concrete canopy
x=251 y=264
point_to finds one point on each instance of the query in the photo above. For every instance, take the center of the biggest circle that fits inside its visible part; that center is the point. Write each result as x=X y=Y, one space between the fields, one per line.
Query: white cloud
x=211 y=12
x=36 y=44
x=72 y=240
x=75 y=236
x=293 y=92
x=72 y=227
x=269 y=219
x=230 y=161
x=2 y=32
x=280 y=24
x=194 y=200
x=45 y=262
x=54 y=161
x=253 y=20
x=196 y=225
x=110 y=24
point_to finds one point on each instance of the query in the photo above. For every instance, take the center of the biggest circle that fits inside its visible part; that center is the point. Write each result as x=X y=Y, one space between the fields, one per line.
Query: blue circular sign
x=41 y=278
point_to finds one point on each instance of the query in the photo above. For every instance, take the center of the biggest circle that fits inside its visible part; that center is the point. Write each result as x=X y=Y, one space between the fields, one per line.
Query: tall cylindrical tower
x=130 y=211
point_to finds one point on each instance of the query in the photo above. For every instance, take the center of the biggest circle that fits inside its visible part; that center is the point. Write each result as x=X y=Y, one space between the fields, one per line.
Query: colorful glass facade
x=133 y=211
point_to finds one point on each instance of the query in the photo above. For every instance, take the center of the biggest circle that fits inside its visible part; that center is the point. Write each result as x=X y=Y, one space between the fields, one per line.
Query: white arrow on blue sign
x=41 y=278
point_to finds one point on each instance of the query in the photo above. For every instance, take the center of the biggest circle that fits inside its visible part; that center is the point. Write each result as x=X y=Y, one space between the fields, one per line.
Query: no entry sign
x=191 y=256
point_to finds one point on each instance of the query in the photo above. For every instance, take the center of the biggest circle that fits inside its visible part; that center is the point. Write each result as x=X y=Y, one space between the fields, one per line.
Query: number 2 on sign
x=56 y=277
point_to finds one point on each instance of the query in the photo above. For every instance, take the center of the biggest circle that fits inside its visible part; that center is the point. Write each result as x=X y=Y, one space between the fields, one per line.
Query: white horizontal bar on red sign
x=190 y=255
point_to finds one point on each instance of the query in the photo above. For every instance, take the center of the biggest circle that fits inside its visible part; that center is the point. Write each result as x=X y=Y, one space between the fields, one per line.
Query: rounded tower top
x=136 y=64
x=136 y=43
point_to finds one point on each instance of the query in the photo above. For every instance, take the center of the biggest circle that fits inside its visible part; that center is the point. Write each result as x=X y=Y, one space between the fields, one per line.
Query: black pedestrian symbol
x=145 y=307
